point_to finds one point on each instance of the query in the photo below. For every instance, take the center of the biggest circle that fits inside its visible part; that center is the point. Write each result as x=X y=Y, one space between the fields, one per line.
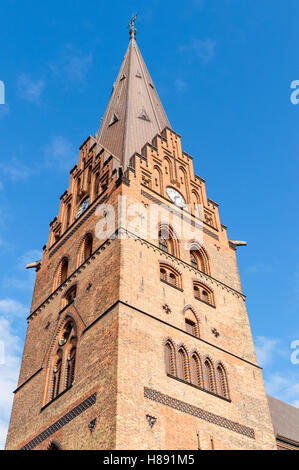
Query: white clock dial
x=176 y=197
x=82 y=208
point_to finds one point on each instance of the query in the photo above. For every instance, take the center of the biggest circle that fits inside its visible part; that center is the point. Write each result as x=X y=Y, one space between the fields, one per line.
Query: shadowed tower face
x=138 y=335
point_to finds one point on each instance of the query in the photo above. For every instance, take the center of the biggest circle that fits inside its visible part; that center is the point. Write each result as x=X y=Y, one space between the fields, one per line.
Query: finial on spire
x=132 y=26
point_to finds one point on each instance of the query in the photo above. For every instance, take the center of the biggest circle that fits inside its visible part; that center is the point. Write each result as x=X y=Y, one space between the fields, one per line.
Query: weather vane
x=132 y=26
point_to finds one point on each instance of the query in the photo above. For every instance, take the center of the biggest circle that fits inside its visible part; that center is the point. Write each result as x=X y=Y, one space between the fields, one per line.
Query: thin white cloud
x=12 y=308
x=265 y=349
x=4 y=110
x=72 y=67
x=15 y=170
x=29 y=89
x=60 y=153
x=27 y=280
x=28 y=257
x=180 y=84
x=259 y=267
x=202 y=48
x=285 y=386
x=9 y=371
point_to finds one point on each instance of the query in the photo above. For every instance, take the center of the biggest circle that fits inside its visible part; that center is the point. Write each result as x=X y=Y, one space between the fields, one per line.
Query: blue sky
x=223 y=71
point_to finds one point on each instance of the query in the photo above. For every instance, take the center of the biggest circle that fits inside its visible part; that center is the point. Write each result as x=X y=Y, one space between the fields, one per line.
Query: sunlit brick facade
x=138 y=340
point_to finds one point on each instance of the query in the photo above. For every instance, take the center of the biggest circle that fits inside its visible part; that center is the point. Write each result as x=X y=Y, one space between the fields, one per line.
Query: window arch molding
x=55 y=345
x=61 y=369
x=169 y=167
x=85 y=248
x=61 y=272
x=196 y=206
x=183 y=364
x=170 y=275
x=209 y=375
x=204 y=293
x=195 y=319
x=196 y=369
x=222 y=380
x=170 y=357
x=201 y=257
x=70 y=295
x=167 y=233
x=183 y=173
x=157 y=174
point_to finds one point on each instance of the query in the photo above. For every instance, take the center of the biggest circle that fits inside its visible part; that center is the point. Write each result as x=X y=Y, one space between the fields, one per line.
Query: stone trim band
x=198 y=412
x=61 y=422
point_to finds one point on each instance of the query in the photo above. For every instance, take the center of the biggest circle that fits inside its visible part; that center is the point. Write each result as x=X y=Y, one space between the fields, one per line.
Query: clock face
x=83 y=207
x=176 y=197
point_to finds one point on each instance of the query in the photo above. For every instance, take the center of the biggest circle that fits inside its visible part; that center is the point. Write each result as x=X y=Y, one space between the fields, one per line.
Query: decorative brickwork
x=198 y=412
x=61 y=422
x=76 y=227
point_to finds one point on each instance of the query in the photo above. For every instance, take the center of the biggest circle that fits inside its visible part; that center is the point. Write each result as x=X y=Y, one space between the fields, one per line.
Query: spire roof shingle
x=134 y=114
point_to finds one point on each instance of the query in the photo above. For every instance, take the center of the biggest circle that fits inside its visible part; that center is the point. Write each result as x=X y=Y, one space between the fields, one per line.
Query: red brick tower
x=138 y=339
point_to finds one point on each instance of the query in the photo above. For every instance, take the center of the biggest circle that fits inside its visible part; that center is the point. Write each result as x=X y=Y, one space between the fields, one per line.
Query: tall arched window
x=199 y=260
x=61 y=274
x=210 y=383
x=96 y=185
x=222 y=384
x=68 y=215
x=78 y=189
x=164 y=241
x=71 y=367
x=183 y=365
x=56 y=379
x=193 y=259
x=167 y=241
x=85 y=250
x=191 y=323
x=64 y=361
x=169 y=357
x=64 y=270
x=196 y=371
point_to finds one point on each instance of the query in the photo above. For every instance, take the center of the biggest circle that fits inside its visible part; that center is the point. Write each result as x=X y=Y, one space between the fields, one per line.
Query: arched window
x=193 y=258
x=204 y=293
x=96 y=185
x=85 y=250
x=210 y=383
x=71 y=367
x=64 y=270
x=89 y=178
x=78 y=190
x=199 y=260
x=191 y=323
x=167 y=241
x=56 y=379
x=63 y=365
x=222 y=384
x=169 y=357
x=196 y=371
x=164 y=241
x=61 y=273
x=170 y=276
x=68 y=216
x=183 y=365
x=70 y=295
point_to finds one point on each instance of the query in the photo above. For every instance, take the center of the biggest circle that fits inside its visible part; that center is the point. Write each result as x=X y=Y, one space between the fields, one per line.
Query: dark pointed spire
x=135 y=113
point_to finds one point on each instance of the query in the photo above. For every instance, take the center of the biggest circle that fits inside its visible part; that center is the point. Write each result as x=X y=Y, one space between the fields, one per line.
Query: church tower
x=138 y=335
